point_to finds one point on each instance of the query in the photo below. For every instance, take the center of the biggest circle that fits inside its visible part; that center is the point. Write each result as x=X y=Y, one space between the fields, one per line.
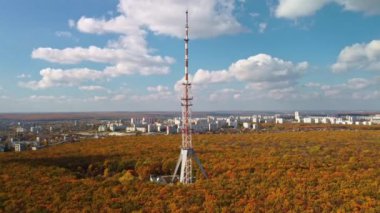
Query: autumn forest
x=312 y=171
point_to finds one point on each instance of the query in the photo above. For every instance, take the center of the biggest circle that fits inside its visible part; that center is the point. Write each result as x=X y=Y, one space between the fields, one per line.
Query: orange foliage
x=314 y=171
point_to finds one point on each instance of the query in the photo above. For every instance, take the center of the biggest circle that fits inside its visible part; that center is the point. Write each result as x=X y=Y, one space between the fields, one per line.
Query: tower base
x=185 y=160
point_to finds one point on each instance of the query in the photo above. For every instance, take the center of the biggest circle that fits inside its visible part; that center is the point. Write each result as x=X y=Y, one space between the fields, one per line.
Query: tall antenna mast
x=187 y=151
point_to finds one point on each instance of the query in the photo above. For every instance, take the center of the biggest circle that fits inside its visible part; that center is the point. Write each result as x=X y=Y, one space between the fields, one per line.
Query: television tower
x=187 y=151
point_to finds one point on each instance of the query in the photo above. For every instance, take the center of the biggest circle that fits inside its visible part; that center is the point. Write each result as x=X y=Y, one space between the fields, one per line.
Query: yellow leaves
x=127 y=178
x=314 y=149
x=352 y=160
x=274 y=172
x=106 y=172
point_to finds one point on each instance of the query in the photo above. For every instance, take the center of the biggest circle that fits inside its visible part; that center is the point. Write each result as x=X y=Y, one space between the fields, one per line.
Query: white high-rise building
x=297 y=116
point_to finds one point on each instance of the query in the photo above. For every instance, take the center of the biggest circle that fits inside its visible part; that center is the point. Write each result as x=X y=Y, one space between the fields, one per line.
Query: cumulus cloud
x=208 y=18
x=359 y=83
x=349 y=89
x=258 y=71
x=123 y=59
x=59 y=77
x=352 y=89
x=158 y=92
x=206 y=76
x=126 y=61
x=130 y=54
x=275 y=78
x=292 y=9
x=263 y=67
x=359 y=57
x=370 y=7
x=282 y=93
x=367 y=95
x=298 y=8
x=120 y=25
x=225 y=94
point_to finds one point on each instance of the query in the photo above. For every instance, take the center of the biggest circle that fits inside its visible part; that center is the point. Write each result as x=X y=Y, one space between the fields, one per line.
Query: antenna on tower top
x=187 y=18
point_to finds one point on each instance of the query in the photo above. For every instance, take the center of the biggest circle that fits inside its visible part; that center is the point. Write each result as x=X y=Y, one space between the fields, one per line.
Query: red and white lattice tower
x=187 y=151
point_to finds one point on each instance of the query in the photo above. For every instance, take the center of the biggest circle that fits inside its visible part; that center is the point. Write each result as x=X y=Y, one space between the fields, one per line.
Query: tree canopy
x=315 y=171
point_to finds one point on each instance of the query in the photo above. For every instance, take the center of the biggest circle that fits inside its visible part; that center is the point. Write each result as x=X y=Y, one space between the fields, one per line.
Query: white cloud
x=207 y=18
x=352 y=89
x=270 y=76
x=267 y=85
x=158 y=88
x=100 y=98
x=119 y=24
x=282 y=93
x=263 y=67
x=369 y=7
x=205 y=76
x=359 y=57
x=225 y=94
x=130 y=54
x=124 y=61
x=371 y=95
x=158 y=92
x=124 y=51
x=293 y=9
x=120 y=97
x=48 y=98
x=58 y=77
x=349 y=89
x=359 y=83
x=298 y=8
x=92 y=88
x=262 y=27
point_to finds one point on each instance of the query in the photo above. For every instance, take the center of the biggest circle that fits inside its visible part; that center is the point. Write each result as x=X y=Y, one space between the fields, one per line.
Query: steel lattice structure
x=187 y=151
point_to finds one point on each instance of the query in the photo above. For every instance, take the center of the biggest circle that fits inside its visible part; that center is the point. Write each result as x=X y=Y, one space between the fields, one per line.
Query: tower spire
x=187 y=47
x=187 y=151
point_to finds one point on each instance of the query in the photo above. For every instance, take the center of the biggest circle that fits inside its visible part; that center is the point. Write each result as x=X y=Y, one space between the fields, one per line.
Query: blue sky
x=107 y=55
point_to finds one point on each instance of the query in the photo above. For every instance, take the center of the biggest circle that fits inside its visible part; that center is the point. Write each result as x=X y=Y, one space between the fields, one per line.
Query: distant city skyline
x=69 y=56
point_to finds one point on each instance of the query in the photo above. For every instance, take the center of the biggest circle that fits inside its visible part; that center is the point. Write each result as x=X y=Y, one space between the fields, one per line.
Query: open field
x=320 y=171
